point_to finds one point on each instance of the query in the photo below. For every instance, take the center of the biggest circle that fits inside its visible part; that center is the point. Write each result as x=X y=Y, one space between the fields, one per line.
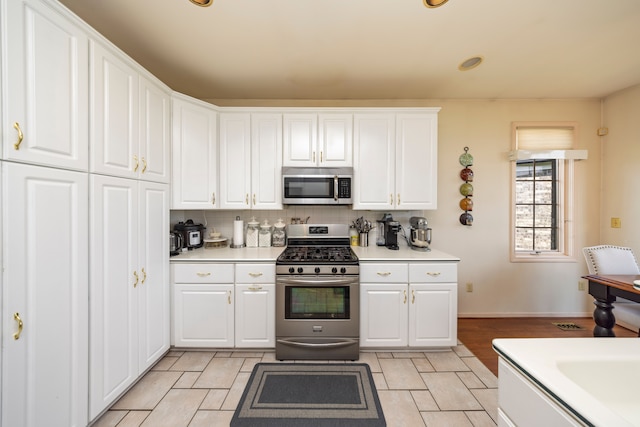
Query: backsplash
x=222 y=220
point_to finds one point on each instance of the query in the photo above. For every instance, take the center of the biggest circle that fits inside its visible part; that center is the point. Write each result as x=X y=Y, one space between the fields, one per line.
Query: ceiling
x=375 y=49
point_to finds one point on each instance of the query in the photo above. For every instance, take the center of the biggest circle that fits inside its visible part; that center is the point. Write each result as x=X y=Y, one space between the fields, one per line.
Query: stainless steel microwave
x=317 y=186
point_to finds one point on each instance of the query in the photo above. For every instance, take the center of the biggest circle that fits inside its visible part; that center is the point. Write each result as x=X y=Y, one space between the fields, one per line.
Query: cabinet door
x=47 y=82
x=114 y=117
x=114 y=279
x=266 y=161
x=335 y=140
x=45 y=274
x=203 y=315
x=300 y=139
x=153 y=289
x=235 y=160
x=416 y=161
x=374 y=162
x=194 y=155
x=155 y=132
x=383 y=315
x=255 y=315
x=433 y=314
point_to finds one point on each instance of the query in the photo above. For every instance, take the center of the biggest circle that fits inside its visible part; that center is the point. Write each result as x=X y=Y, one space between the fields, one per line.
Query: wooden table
x=605 y=288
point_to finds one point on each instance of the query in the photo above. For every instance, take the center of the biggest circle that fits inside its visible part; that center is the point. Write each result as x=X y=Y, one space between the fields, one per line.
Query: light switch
x=615 y=223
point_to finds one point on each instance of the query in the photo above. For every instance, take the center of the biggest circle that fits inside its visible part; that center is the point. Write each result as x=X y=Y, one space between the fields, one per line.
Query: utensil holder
x=364 y=239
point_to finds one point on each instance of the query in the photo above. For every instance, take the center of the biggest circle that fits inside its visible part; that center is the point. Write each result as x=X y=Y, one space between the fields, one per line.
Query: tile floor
x=202 y=388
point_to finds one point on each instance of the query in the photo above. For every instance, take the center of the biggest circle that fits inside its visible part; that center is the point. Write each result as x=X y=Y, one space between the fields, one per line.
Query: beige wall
x=503 y=288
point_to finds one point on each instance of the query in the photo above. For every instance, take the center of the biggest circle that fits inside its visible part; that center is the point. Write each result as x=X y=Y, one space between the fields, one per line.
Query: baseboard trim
x=523 y=314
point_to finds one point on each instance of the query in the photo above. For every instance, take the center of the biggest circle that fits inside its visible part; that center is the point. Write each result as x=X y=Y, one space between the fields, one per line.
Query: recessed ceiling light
x=203 y=3
x=434 y=3
x=470 y=63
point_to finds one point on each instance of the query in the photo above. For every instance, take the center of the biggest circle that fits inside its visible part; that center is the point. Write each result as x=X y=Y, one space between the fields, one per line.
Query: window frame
x=565 y=195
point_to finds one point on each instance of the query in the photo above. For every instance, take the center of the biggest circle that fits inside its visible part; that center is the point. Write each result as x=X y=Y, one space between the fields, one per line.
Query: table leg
x=604 y=318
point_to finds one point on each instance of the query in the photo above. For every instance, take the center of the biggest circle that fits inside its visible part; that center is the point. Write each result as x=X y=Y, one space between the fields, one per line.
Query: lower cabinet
x=223 y=305
x=408 y=304
x=203 y=308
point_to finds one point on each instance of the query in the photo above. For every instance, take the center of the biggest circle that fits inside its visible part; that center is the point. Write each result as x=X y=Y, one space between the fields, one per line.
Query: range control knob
x=334 y=270
x=292 y=270
x=343 y=270
x=317 y=270
x=300 y=270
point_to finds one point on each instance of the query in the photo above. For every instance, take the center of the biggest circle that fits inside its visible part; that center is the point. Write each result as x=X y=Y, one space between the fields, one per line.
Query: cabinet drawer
x=202 y=273
x=384 y=273
x=255 y=273
x=429 y=272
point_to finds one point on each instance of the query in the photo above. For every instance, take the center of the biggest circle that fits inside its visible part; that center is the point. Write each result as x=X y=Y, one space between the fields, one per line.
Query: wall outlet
x=616 y=223
x=582 y=285
x=469 y=287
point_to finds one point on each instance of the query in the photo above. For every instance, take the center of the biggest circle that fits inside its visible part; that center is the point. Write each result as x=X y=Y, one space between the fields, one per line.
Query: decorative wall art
x=466 y=189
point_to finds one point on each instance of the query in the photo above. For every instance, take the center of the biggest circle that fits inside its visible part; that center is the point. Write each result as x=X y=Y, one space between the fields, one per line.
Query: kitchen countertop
x=365 y=254
x=595 y=378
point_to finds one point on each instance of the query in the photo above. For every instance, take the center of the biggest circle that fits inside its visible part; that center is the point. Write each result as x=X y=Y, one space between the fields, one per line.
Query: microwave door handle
x=335 y=188
x=324 y=281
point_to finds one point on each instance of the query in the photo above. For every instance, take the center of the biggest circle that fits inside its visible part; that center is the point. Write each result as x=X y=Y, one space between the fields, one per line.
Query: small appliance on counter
x=176 y=242
x=192 y=234
x=391 y=230
x=380 y=229
x=419 y=237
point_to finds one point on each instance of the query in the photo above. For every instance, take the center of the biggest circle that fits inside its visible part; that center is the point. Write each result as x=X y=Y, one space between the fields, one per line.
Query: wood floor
x=477 y=333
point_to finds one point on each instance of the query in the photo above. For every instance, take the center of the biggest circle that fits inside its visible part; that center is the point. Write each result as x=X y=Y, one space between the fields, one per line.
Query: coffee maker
x=419 y=234
x=391 y=230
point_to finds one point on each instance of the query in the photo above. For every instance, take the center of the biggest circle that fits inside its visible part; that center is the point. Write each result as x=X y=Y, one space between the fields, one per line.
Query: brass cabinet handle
x=144 y=165
x=321 y=157
x=16 y=126
x=384 y=273
x=213 y=198
x=135 y=159
x=391 y=199
x=246 y=199
x=413 y=297
x=203 y=274
x=405 y=297
x=433 y=273
x=17 y=318
x=254 y=198
x=229 y=297
x=314 y=157
x=255 y=288
x=144 y=276
x=398 y=199
x=135 y=274
x=255 y=274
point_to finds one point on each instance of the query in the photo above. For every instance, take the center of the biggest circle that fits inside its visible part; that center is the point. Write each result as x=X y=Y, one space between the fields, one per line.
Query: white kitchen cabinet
x=411 y=305
x=250 y=161
x=45 y=275
x=203 y=305
x=155 y=131
x=255 y=305
x=312 y=139
x=395 y=161
x=129 y=298
x=45 y=53
x=194 y=165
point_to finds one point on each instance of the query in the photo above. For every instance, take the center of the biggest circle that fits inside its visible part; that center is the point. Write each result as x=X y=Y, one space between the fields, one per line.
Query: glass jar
x=279 y=237
x=264 y=238
x=252 y=233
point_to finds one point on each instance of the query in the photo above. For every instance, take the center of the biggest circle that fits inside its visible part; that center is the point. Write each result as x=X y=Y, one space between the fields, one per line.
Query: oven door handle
x=342 y=343
x=316 y=281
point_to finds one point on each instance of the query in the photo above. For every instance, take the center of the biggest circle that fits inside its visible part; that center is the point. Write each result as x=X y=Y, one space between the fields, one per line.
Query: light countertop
x=365 y=254
x=595 y=378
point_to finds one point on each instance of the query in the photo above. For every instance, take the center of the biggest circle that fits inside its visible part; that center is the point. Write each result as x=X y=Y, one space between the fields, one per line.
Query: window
x=542 y=181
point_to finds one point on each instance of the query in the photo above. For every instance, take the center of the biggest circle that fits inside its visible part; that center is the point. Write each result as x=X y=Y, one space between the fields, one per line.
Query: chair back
x=608 y=259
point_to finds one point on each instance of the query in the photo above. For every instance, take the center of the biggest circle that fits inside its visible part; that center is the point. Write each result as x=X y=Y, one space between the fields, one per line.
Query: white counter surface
x=365 y=254
x=595 y=378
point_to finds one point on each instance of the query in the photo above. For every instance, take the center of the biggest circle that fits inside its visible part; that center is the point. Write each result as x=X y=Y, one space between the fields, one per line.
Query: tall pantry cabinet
x=44 y=216
x=129 y=219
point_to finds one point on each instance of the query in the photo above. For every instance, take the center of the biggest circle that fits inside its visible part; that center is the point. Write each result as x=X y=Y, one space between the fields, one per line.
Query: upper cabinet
x=45 y=56
x=129 y=120
x=194 y=179
x=250 y=161
x=324 y=139
x=396 y=160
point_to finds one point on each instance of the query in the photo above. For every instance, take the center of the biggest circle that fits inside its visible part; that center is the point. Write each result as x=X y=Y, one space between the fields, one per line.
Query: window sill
x=541 y=257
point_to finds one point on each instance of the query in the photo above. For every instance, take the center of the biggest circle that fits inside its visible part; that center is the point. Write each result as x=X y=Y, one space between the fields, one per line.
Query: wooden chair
x=609 y=259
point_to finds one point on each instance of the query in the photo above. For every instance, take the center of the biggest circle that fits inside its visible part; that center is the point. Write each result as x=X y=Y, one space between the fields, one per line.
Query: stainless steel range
x=318 y=295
